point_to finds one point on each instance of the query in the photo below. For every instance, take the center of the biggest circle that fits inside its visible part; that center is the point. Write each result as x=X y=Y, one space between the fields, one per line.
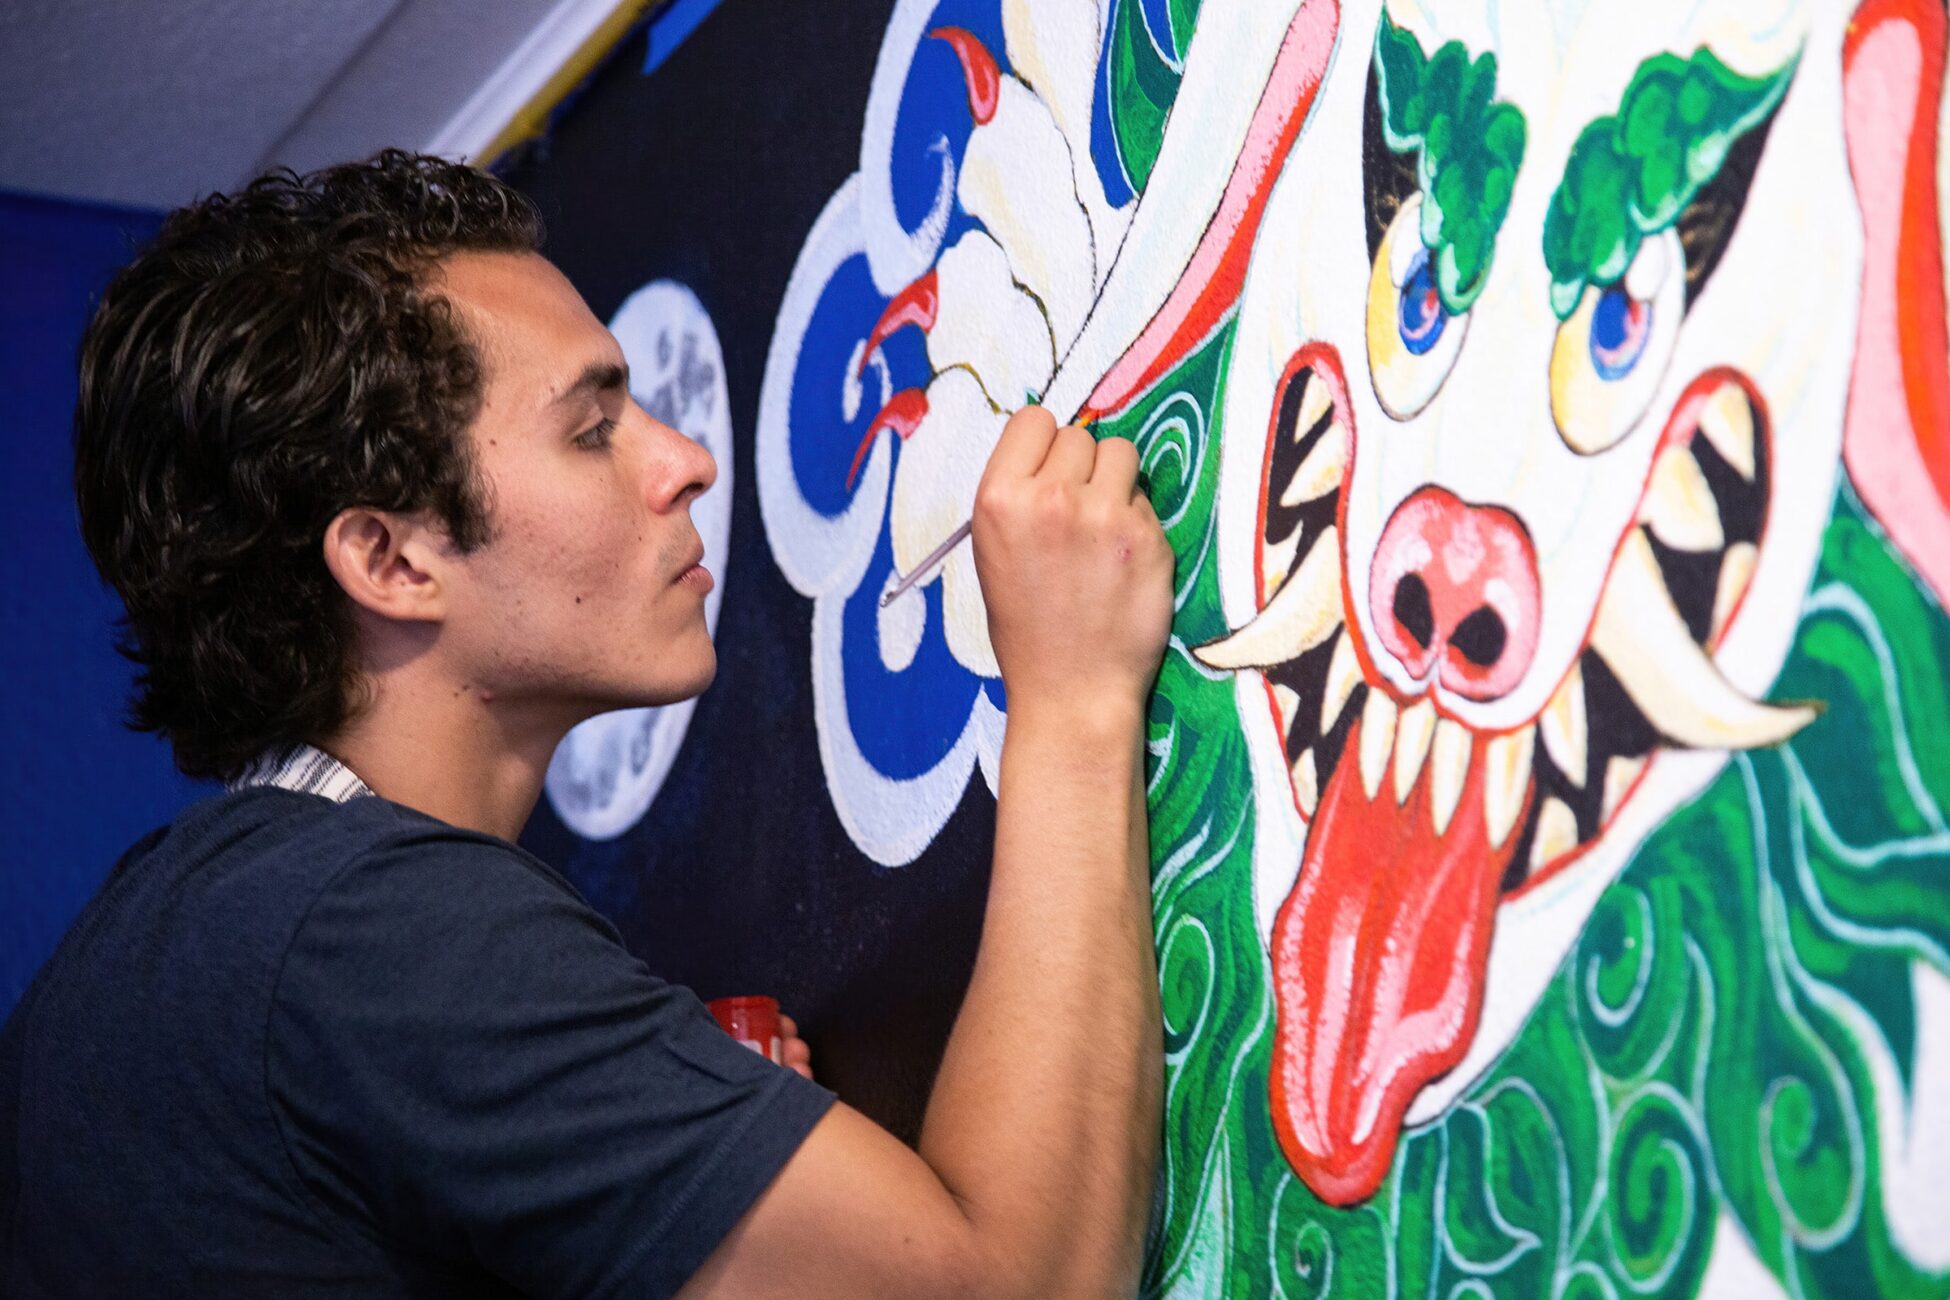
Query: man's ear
x=389 y=563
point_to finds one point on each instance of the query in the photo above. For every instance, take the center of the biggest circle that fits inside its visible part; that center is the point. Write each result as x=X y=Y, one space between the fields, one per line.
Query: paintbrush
x=926 y=566
x=954 y=539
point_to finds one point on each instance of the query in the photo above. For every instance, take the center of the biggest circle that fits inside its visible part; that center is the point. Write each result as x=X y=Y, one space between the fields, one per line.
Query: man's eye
x=596 y=437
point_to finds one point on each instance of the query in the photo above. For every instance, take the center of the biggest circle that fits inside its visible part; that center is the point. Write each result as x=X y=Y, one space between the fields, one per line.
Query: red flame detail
x=917 y=304
x=977 y=68
x=903 y=414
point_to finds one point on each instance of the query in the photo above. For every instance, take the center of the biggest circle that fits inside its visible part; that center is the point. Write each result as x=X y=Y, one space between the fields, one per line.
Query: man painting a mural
x=1547 y=404
x=1536 y=772
x=387 y=522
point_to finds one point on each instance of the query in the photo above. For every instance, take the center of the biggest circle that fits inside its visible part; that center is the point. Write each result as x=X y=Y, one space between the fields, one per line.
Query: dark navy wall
x=75 y=787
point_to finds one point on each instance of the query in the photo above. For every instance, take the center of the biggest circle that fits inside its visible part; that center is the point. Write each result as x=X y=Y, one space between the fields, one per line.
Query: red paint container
x=753 y=1021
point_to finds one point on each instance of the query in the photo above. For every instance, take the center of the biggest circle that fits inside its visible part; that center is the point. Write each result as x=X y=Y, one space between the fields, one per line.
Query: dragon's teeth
x=1306 y=782
x=1448 y=770
x=1736 y=573
x=1564 y=728
x=1557 y=833
x=1314 y=401
x=1506 y=781
x=1300 y=615
x=1288 y=701
x=1321 y=472
x=1343 y=675
x=1728 y=423
x=1276 y=562
x=1377 y=739
x=1413 y=732
x=1675 y=683
x=1620 y=773
x=1679 y=506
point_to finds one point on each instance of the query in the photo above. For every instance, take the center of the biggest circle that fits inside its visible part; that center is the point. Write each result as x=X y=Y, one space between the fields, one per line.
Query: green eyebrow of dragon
x=1633 y=172
x=1470 y=143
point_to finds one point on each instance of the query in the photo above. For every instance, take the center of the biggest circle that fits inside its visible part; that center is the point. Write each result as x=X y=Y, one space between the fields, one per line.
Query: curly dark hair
x=272 y=357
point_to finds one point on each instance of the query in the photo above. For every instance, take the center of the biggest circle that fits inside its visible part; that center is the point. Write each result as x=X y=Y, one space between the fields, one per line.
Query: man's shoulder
x=395 y=872
x=284 y=839
x=235 y=879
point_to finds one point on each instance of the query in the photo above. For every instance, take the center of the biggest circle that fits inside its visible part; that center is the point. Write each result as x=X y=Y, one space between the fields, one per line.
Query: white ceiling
x=151 y=103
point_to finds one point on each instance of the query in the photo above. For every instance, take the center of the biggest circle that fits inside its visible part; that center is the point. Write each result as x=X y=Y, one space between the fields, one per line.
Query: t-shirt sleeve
x=464 y=1057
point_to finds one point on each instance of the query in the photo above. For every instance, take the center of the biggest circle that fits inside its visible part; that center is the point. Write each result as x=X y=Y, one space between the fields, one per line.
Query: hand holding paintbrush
x=933 y=559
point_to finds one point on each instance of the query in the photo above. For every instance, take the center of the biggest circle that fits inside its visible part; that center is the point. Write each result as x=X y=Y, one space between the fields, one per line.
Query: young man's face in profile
x=587 y=593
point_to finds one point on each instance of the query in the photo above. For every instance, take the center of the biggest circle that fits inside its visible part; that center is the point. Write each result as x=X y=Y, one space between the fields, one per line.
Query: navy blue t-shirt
x=297 y=1048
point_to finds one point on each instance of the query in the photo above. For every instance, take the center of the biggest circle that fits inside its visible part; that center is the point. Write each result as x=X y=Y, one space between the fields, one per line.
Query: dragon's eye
x=1422 y=316
x=1611 y=352
x=1620 y=325
x=1412 y=338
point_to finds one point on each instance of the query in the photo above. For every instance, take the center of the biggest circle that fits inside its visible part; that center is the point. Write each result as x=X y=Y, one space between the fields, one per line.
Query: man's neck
x=455 y=753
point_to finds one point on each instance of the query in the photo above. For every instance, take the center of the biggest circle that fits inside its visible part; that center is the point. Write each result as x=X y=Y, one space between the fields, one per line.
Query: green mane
x=1470 y=144
x=1631 y=173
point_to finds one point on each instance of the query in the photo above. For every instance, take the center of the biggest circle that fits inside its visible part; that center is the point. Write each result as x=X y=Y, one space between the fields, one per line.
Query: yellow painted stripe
x=531 y=120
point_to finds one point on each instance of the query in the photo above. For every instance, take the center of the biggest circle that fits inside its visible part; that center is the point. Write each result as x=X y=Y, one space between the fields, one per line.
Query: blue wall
x=75 y=786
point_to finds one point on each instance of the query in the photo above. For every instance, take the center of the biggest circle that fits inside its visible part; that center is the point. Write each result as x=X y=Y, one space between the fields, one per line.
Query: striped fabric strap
x=305 y=769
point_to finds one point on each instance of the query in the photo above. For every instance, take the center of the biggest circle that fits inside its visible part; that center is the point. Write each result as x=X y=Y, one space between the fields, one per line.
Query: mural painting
x=1549 y=404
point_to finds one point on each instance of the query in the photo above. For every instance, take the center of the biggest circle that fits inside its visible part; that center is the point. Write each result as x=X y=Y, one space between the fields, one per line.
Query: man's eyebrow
x=596 y=377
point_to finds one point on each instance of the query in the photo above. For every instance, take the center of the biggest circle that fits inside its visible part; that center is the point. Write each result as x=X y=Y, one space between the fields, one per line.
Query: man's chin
x=706 y=674
x=689 y=678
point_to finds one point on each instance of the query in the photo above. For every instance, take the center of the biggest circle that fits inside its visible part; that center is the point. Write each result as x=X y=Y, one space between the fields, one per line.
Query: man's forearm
x=1044 y=1120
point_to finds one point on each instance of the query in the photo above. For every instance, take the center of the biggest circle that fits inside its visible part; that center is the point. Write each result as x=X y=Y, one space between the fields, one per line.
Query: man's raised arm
x=1037 y=1155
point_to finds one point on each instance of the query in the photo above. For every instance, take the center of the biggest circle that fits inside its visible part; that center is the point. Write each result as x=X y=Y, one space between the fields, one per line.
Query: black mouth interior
x=1693 y=576
x=1291 y=446
x=1306 y=675
x=1307 y=678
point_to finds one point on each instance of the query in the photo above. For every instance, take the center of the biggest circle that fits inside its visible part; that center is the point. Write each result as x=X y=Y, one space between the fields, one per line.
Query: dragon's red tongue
x=1378 y=963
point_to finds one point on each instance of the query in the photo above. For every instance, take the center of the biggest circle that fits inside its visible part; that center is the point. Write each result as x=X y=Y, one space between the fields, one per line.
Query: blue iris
x=1620 y=325
x=1421 y=312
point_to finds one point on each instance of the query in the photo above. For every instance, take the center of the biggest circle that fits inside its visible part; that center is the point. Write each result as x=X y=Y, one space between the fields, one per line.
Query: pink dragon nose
x=1454 y=590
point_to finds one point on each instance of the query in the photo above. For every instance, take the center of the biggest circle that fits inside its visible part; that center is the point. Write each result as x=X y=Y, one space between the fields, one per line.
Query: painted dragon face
x=1533 y=416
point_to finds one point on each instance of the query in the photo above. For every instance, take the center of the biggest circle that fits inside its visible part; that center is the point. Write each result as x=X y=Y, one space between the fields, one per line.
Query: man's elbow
x=1060 y=1259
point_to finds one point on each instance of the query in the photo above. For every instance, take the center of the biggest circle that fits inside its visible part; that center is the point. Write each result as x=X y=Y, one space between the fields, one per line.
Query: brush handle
x=926 y=566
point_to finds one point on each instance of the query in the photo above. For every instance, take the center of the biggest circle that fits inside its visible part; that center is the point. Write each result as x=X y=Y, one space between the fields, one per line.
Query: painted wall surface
x=677 y=202
x=1549 y=404
x=75 y=788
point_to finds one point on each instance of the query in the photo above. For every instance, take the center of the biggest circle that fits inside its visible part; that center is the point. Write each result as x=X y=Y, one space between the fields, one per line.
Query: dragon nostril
x=1412 y=608
x=1481 y=637
x=1453 y=594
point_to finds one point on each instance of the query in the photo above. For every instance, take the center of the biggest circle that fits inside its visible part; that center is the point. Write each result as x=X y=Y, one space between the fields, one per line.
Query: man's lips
x=693 y=573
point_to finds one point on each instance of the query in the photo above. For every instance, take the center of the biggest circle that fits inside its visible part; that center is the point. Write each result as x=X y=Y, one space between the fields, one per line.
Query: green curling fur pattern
x=1470 y=143
x=1632 y=173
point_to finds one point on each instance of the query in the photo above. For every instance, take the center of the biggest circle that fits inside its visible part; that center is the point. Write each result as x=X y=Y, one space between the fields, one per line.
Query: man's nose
x=682 y=468
x=1454 y=593
x=705 y=467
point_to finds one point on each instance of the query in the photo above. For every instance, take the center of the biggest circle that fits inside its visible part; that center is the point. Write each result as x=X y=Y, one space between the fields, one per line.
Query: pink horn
x=1896 y=438
x=1211 y=282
